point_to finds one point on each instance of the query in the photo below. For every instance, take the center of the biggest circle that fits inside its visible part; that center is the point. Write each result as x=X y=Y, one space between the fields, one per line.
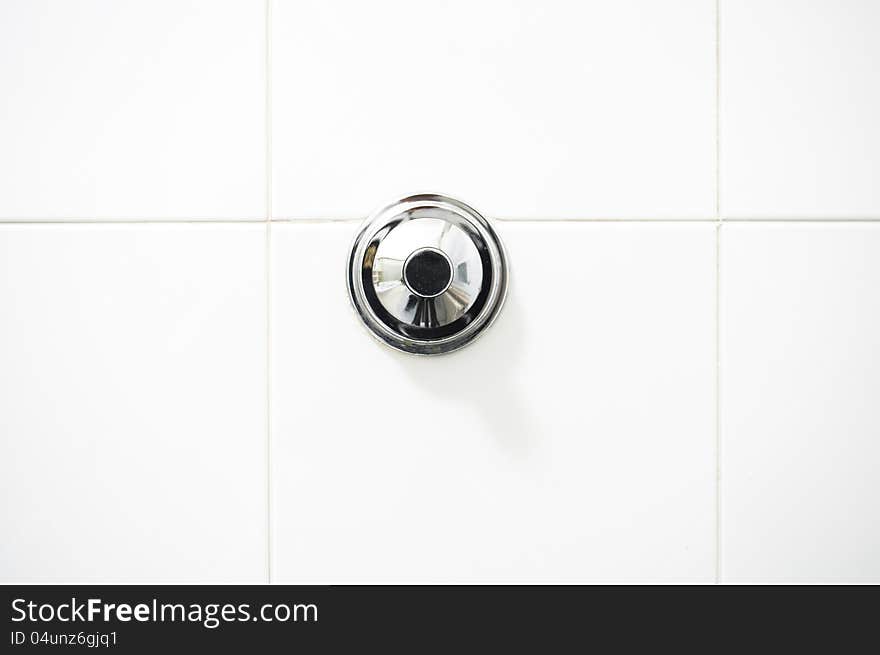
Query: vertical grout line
x=718 y=110
x=268 y=259
x=718 y=453
x=269 y=532
x=268 y=118
x=718 y=232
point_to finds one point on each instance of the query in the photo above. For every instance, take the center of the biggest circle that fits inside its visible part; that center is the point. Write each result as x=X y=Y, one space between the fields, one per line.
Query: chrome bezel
x=477 y=317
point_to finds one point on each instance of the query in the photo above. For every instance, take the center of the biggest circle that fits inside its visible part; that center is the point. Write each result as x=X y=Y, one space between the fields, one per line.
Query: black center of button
x=427 y=273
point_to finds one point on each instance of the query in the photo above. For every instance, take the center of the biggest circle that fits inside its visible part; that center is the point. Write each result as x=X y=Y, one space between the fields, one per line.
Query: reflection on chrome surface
x=427 y=274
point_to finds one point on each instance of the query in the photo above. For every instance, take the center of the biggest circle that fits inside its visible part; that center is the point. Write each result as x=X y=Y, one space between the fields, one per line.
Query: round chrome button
x=427 y=274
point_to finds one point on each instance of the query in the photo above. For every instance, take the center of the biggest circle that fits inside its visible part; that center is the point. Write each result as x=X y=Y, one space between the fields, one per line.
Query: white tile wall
x=136 y=359
x=573 y=442
x=800 y=86
x=527 y=109
x=132 y=403
x=132 y=109
x=801 y=402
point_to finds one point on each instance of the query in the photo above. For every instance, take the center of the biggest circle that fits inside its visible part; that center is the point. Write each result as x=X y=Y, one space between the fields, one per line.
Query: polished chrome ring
x=427 y=274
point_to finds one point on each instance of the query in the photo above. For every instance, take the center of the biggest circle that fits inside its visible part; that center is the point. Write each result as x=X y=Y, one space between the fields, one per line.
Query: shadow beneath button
x=483 y=379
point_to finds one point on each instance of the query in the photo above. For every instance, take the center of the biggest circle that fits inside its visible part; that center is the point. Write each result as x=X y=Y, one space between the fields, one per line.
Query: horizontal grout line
x=801 y=220
x=508 y=219
x=130 y=221
x=605 y=220
x=318 y=220
x=329 y=221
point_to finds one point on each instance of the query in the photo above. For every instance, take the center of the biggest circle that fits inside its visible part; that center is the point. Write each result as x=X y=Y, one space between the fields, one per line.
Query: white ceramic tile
x=132 y=109
x=800 y=414
x=574 y=441
x=800 y=99
x=132 y=404
x=525 y=109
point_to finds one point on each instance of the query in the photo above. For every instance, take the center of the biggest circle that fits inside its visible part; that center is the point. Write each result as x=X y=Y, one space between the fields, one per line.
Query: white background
x=683 y=386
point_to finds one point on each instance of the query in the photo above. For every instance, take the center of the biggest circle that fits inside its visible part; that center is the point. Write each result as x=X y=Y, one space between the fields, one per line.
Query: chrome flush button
x=427 y=274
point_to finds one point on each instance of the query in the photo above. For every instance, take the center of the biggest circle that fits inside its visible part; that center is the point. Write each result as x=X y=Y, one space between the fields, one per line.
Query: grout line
x=133 y=221
x=327 y=221
x=268 y=117
x=718 y=216
x=330 y=221
x=504 y=219
x=604 y=220
x=718 y=443
x=801 y=220
x=269 y=370
x=268 y=258
x=718 y=232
